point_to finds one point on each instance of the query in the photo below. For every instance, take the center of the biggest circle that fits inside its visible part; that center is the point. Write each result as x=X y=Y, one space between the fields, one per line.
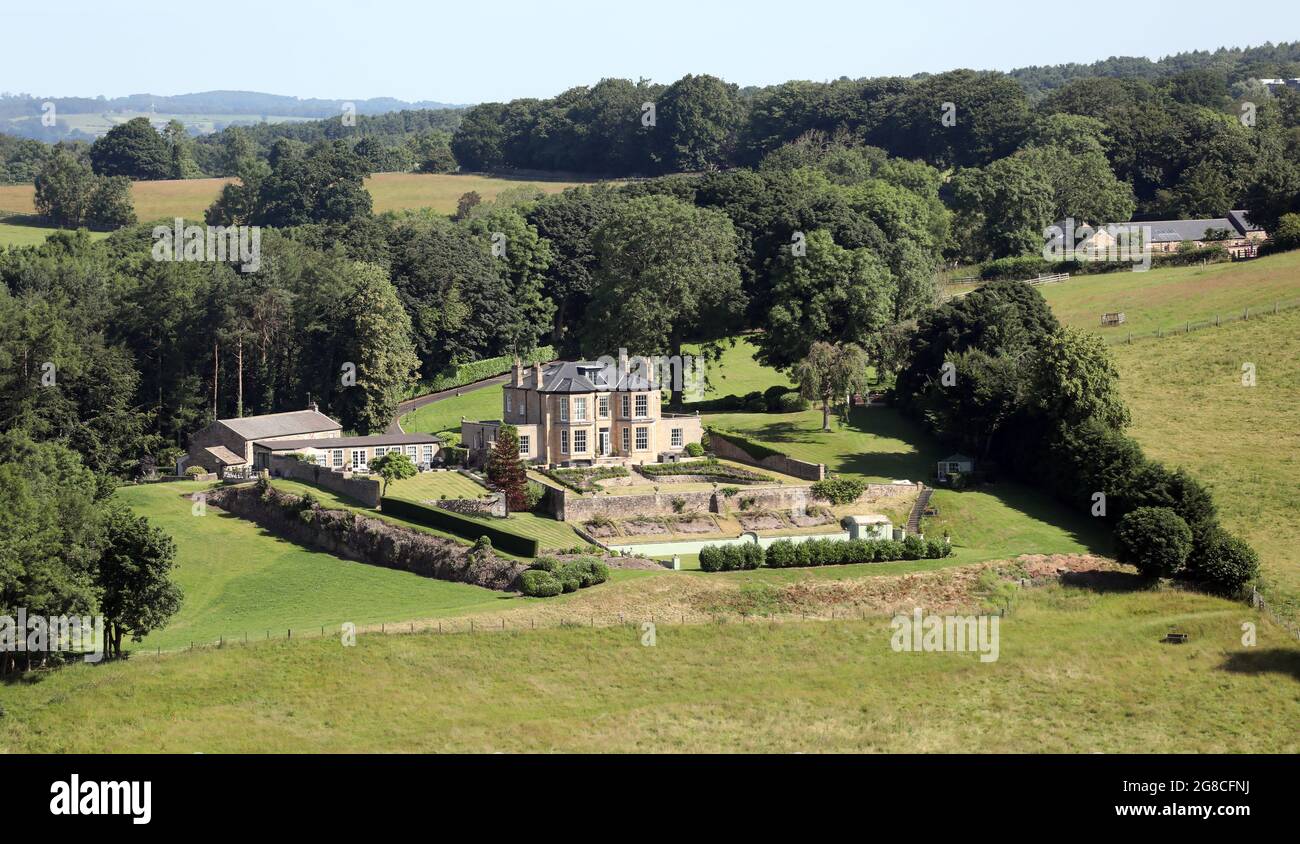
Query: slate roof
x=281 y=424
x=1165 y=231
x=225 y=456
x=352 y=442
x=584 y=376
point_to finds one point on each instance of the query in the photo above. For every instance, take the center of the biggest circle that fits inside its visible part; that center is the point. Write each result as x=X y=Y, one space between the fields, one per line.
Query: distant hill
x=87 y=118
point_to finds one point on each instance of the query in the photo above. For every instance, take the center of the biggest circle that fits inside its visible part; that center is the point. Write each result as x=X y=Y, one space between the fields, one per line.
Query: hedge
x=755 y=450
x=709 y=468
x=731 y=557
x=785 y=553
x=839 y=490
x=468 y=373
x=459 y=525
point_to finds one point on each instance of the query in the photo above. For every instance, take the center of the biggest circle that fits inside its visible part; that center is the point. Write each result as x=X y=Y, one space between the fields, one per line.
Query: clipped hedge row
x=461 y=526
x=709 y=468
x=468 y=373
x=731 y=557
x=548 y=577
x=785 y=553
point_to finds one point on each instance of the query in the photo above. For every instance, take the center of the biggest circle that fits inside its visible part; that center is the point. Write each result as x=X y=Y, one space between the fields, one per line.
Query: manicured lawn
x=1077 y=672
x=1169 y=298
x=1190 y=409
x=445 y=415
x=430 y=486
x=737 y=372
x=239 y=579
x=992 y=522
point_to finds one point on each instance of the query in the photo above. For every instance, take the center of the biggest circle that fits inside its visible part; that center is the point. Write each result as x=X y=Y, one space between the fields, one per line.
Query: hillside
x=1078 y=671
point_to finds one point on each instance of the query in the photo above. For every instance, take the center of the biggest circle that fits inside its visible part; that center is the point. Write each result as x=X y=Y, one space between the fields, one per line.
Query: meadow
x=1169 y=298
x=1077 y=671
x=189 y=198
x=1191 y=408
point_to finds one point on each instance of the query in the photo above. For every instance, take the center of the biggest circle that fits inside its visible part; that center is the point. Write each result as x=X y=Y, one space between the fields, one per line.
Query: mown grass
x=238 y=578
x=446 y=415
x=877 y=444
x=1191 y=409
x=736 y=372
x=1169 y=298
x=1078 y=671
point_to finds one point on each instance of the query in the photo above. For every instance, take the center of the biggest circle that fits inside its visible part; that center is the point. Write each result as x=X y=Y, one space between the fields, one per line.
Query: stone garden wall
x=365 y=490
x=727 y=450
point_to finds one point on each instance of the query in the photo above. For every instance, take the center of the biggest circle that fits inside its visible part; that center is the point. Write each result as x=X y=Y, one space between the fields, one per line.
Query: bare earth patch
x=760 y=521
x=698 y=524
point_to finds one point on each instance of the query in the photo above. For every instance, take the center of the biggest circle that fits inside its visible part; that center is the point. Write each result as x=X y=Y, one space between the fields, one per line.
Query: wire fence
x=1286 y=623
x=1187 y=327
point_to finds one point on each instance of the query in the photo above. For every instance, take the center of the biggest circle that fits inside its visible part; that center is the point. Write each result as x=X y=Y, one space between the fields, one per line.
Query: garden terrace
x=709 y=468
x=583 y=479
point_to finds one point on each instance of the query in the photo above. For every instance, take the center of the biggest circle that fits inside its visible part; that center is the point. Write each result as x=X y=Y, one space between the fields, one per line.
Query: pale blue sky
x=501 y=49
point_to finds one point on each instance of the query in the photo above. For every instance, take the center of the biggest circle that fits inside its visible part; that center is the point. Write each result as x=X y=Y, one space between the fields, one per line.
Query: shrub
x=1287 y=233
x=913 y=547
x=889 y=549
x=839 y=490
x=569 y=577
x=195 y=471
x=1155 y=539
x=545 y=564
x=536 y=583
x=934 y=549
x=752 y=555
x=790 y=402
x=780 y=554
x=679 y=505
x=729 y=491
x=711 y=558
x=596 y=570
x=695 y=449
x=1225 y=563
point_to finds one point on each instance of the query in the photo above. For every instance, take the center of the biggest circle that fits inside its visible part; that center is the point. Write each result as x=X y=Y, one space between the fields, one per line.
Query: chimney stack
x=538 y=371
x=518 y=373
x=311 y=405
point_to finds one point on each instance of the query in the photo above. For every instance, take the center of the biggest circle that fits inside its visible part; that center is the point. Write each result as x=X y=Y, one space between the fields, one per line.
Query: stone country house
x=583 y=413
x=240 y=447
x=1235 y=233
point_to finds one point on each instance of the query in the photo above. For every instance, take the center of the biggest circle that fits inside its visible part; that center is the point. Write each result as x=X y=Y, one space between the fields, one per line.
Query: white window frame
x=362 y=461
x=525 y=441
x=411 y=451
x=322 y=459
x=338 y=458
x=642 y=438
x=602 y=407
x=627 y=406
x=379 y=451
x=564 y=441
x=564 y=409
x=580 y=409
x=627 y=440
x=580 y=441
x=676 y=438
x=509 y=409
x=642 y=405
x=426 y=453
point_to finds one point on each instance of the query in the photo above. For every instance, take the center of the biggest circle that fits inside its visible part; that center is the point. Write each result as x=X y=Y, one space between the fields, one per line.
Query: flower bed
x=584 y=479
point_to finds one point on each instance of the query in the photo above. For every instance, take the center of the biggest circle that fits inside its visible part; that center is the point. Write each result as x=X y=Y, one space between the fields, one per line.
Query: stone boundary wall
x=494 y=505
x=569 y=507
x=365 y=490
x=366 y=540
x=727 y=450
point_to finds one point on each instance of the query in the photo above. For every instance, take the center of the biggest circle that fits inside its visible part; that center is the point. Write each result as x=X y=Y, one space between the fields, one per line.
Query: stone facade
x=571 y=412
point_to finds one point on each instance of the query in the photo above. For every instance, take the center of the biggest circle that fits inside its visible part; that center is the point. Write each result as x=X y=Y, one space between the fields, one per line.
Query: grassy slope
x=1170 y=298
x=445 y=415
x=237 y=578
x=736 y=372
x=1190 y=409
x=1078 y=672
x=998 y=521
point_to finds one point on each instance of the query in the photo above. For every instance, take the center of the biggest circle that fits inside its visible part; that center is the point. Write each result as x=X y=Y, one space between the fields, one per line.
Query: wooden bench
x=1175 y=638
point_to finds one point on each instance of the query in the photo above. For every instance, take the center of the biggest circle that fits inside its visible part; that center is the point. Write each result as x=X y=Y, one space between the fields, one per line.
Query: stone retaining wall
x=727 y=450
x=363 y=489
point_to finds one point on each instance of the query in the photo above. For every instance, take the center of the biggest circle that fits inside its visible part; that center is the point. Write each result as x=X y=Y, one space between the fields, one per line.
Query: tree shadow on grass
x=1266 y=661
x=1106 y=581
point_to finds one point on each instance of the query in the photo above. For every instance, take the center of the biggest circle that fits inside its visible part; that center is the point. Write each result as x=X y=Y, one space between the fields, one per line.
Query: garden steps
x=922 y=501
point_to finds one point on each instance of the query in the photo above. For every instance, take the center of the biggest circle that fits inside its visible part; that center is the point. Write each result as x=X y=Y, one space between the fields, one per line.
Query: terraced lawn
x=238 y=579
x=431 y=486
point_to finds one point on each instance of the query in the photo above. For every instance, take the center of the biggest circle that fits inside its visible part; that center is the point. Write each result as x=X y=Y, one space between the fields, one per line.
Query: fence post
x=290 y=636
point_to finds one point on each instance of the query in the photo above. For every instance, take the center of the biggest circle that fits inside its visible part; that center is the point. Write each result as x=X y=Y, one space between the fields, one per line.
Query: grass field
x=1168 y=299
x=428 y=486
x=1078 y=671
x=1191 y=409
x=164 y=200
x=445 y=415
x=239 y=579
x=736 y=372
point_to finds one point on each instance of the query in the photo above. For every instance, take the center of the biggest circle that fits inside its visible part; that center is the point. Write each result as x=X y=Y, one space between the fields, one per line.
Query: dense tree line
x=995 y=374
